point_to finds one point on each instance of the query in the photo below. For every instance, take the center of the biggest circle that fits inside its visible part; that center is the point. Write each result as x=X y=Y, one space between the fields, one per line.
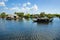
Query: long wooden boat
x=43 y=20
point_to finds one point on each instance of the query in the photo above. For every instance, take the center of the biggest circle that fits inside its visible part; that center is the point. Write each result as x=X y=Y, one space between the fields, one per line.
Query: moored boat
x=43 y=20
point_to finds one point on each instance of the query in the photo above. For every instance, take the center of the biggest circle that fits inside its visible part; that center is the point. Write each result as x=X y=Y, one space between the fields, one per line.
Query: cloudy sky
x=30 y=6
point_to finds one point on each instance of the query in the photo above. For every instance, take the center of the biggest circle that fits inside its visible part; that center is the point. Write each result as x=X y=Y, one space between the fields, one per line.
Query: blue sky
x=30 y=6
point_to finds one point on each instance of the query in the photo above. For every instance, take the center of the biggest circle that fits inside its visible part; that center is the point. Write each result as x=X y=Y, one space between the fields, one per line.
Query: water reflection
x=23 y=29
x=27 y=19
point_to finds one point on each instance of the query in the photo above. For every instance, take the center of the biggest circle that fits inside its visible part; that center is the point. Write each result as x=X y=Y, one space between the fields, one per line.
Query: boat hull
x=43 y=20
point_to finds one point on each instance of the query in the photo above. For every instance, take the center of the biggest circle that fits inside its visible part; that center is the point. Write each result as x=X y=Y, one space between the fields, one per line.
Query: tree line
x=28 y=15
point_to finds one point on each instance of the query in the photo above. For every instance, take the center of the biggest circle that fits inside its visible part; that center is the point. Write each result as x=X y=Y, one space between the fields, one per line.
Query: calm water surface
x=29 y=30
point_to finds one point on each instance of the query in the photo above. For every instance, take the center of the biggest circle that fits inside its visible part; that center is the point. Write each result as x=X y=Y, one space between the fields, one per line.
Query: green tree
x=3 y=15
x=42 y=14
x=57 y=15
x=20 y=14
x=32 y=16
x=50 y=15
x=27 y=16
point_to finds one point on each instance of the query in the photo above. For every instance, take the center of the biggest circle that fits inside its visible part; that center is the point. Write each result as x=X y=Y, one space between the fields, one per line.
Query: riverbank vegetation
x=28 y=15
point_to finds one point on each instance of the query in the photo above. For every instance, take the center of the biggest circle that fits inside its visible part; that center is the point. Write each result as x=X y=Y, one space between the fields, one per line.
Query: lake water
x=29 y=30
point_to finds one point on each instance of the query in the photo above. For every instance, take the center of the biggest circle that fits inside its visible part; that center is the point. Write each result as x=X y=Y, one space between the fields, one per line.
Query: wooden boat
x=43 y=20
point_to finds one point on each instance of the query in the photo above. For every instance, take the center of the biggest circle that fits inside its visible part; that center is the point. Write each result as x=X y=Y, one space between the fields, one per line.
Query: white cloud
x=18 y=9
x=14 y=4
x=6 y=8
x=26 y=7
x=35 y=7
x=26 y=4
x=14 y=8
x=2 y=4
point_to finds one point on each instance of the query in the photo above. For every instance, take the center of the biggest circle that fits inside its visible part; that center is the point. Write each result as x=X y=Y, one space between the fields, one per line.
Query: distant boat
x=8 y=18
x=43 y=20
